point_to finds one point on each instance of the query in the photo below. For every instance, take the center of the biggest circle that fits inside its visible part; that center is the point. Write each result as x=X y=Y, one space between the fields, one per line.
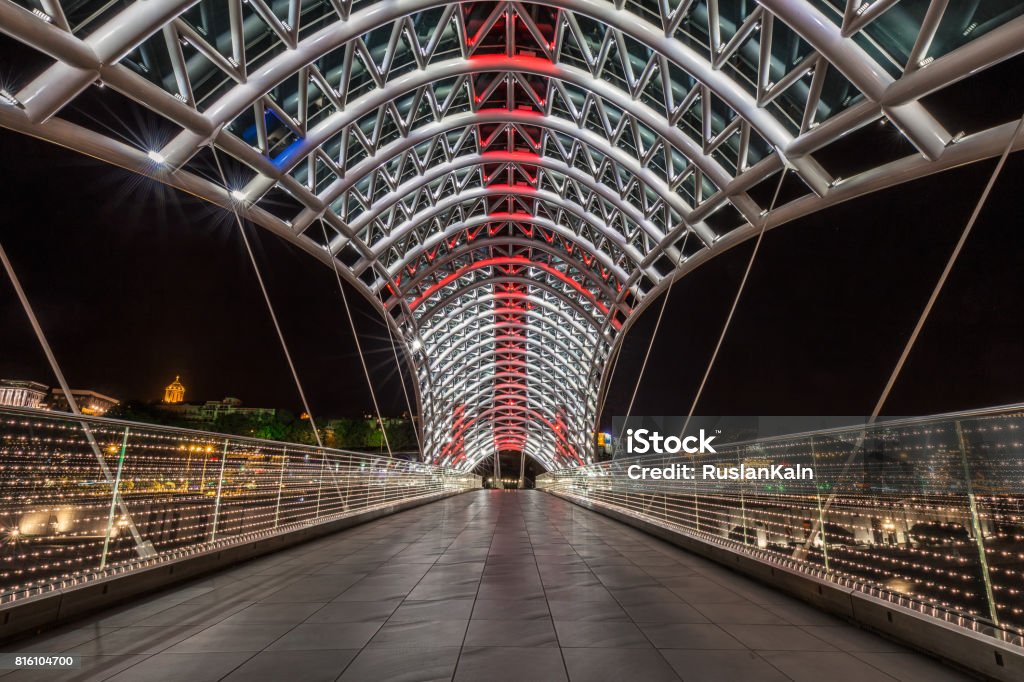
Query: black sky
x=135 y=283
x=832 y=299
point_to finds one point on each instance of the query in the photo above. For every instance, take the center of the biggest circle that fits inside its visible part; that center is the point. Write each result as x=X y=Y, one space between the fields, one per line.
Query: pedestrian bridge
x=488 y=585
x=162 y=553
x=510 y=184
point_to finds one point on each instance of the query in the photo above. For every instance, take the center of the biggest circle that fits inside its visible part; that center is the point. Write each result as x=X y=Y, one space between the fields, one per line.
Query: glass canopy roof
x=509 y=182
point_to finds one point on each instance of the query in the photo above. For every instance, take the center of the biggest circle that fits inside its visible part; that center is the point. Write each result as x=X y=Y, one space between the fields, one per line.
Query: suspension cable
x=143 y=547
x=800 y=552
x=945 y=273
x=736 y=298
x=266 y=298
x=657 y=326
x=401 y=376
x=355 y=337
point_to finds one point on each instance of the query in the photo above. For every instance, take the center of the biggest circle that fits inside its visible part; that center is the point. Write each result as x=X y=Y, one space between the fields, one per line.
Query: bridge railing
x=927 y=513
x=86 y=497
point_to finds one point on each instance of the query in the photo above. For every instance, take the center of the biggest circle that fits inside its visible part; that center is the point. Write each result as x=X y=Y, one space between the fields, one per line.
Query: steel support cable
x=266 y=298
x=355 y=337
x=401 y=374
x=945 y=273
x=921 y=320
x=725 y=329
x=144 y=548
x=657 y=326
x=736 y=299
x=280 y=336
x=405 y=389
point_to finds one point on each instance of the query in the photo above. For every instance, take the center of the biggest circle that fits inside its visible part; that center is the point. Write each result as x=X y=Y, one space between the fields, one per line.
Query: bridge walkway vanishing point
x=488 y=585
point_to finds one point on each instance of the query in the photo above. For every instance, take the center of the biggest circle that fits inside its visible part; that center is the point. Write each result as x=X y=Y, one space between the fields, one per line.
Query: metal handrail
x=113 y=421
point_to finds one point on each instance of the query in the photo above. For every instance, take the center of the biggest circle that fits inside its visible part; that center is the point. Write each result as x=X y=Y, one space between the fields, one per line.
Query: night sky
x=135 y=283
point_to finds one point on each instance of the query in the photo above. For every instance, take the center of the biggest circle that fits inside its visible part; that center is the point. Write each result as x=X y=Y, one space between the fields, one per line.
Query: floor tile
x=715 y=666
x=442 y=633
x=689 y=636
x=59 y=640
x=136 y=640
x=233 y=637
x=517 y=633
x=510 y=609
x=750 y=614
x=776 y=638
x=910 y=666
x=573 y=593
x=443 y=609
x=814 y=666
x=406 y=664
x=275 y=613
x=664 y=612
x=312 y=636
x=183 y=667
x=614 y=665
x=583 y=633
x=510 y=664
x=354 y=612
x=847 y=638
x=307 y=666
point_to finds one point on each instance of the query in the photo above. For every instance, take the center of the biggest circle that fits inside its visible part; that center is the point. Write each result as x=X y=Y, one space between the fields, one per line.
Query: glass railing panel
x=82 y=498
x=924 y=512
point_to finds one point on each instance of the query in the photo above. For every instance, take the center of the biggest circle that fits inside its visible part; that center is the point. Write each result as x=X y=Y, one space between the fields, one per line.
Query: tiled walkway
x=484 y=586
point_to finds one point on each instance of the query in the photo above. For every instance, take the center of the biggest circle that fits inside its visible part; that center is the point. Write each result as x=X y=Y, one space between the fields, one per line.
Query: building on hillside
x=211 y=410
x=18 y=393
x=89 y=402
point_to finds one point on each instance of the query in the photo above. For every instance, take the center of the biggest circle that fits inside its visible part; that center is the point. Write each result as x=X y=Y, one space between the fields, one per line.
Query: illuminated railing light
x=47 y=464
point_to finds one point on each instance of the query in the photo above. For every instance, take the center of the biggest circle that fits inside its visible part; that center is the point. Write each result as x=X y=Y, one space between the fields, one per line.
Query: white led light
x=7 y=98
x=155 y=156
x=238 y=195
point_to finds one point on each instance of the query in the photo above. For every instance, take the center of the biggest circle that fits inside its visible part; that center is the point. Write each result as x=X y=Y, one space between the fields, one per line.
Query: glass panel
x=923 y=512
x=177 y=492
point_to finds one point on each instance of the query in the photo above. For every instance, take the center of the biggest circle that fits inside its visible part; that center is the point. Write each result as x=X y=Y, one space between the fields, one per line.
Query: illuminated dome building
x=175 y=392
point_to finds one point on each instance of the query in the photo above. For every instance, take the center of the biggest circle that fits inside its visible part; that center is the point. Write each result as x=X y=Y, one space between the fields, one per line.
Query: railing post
x=220 y=488
x=320 y=485
x=113 y=500
x=976 y=525
x=202 y=474
x=821 y=513
x=280 y=487
x=696 y=501
x=348 y=483
x=743 y=499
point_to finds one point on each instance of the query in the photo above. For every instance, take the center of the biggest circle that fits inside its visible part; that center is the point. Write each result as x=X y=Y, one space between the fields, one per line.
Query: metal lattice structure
x=511 y=182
